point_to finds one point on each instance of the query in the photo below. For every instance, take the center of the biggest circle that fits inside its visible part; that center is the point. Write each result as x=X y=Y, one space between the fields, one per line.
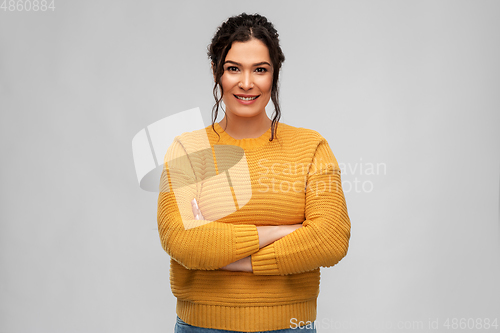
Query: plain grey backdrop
x=405 y=92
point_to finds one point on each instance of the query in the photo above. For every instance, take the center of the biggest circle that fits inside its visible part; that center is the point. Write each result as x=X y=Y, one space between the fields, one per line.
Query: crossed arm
x=320 y=241
x=267 y=235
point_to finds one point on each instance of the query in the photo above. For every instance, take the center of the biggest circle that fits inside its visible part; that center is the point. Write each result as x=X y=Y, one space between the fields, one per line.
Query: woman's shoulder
x=197 y=139
x=299 y=132
x=190 y=142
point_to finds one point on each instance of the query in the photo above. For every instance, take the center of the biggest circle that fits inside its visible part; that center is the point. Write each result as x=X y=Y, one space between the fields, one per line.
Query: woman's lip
x=241 y=95
x=246 y=102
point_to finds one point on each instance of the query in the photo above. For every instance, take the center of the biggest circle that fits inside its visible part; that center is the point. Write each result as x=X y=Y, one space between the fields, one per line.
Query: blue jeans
x=182 y=327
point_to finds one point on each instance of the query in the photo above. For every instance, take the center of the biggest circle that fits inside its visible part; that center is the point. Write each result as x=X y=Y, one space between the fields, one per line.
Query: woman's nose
x=246 y=81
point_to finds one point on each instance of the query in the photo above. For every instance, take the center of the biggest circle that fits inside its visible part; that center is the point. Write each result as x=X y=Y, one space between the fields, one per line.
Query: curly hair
x=242 y=28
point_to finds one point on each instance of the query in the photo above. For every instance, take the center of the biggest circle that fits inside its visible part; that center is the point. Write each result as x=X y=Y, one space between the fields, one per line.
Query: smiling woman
x=246 y=60
x=246 y=244
x=247 y=83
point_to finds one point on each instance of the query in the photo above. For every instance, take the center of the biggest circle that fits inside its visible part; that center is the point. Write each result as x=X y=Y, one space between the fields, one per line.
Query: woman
x=249 y=208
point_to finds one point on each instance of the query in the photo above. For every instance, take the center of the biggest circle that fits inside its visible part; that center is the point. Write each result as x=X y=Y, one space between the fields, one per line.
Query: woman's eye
x=235 y=69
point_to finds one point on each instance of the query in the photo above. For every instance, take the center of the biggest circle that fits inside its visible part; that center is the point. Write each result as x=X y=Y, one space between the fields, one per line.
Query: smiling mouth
x=246 y=98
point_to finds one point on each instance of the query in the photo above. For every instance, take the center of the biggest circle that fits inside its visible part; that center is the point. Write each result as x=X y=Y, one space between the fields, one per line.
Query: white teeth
x=246 y=98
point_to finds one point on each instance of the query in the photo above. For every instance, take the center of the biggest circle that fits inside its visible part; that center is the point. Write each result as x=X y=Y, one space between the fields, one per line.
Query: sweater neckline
x=246 y=143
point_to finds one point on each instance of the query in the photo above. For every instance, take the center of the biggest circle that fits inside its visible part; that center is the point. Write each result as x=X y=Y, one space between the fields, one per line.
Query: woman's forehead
x=248 y=53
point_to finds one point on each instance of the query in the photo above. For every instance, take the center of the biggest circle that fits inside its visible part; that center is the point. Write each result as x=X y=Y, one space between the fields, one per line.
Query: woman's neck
x=245 y=127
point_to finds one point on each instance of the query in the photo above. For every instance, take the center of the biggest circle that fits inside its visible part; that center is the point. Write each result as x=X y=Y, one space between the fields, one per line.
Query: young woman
x=249 y=208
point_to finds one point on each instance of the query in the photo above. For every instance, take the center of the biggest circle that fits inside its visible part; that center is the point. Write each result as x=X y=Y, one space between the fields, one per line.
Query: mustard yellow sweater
x=241 y=184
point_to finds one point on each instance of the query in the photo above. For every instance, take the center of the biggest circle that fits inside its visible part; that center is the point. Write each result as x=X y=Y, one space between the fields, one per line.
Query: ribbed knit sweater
x=240 y=184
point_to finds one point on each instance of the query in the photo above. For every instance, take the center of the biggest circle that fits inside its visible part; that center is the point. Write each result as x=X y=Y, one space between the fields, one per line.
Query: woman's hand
x=269 y=234
x=242 y=265
x=196 y=210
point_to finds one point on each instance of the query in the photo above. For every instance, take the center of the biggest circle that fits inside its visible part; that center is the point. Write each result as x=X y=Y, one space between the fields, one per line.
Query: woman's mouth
x=246 y=100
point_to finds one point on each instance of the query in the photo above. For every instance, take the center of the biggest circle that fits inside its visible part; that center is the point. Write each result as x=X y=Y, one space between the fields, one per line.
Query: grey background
x=411 y=85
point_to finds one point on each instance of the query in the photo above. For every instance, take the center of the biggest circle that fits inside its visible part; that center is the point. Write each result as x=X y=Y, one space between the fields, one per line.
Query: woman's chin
x=245 y=112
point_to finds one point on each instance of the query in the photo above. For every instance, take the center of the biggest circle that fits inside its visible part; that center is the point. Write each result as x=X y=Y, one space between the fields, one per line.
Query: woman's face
x=248 y=73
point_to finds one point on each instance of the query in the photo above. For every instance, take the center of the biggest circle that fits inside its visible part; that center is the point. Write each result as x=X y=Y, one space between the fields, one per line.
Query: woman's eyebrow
x=257 y=64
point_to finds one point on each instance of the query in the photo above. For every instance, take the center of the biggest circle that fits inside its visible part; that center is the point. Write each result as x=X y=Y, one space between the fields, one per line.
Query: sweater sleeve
x=323 y=239
x=196 y=244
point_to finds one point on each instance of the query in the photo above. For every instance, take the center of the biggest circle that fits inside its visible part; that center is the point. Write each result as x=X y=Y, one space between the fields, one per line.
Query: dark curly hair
x=242 y=28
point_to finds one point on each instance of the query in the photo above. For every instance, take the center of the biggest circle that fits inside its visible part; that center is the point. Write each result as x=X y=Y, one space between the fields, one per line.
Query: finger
x=194 y=209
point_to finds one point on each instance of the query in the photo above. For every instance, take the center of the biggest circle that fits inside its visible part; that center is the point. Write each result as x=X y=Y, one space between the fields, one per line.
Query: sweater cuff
x=264 y=262
x=247 y=240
